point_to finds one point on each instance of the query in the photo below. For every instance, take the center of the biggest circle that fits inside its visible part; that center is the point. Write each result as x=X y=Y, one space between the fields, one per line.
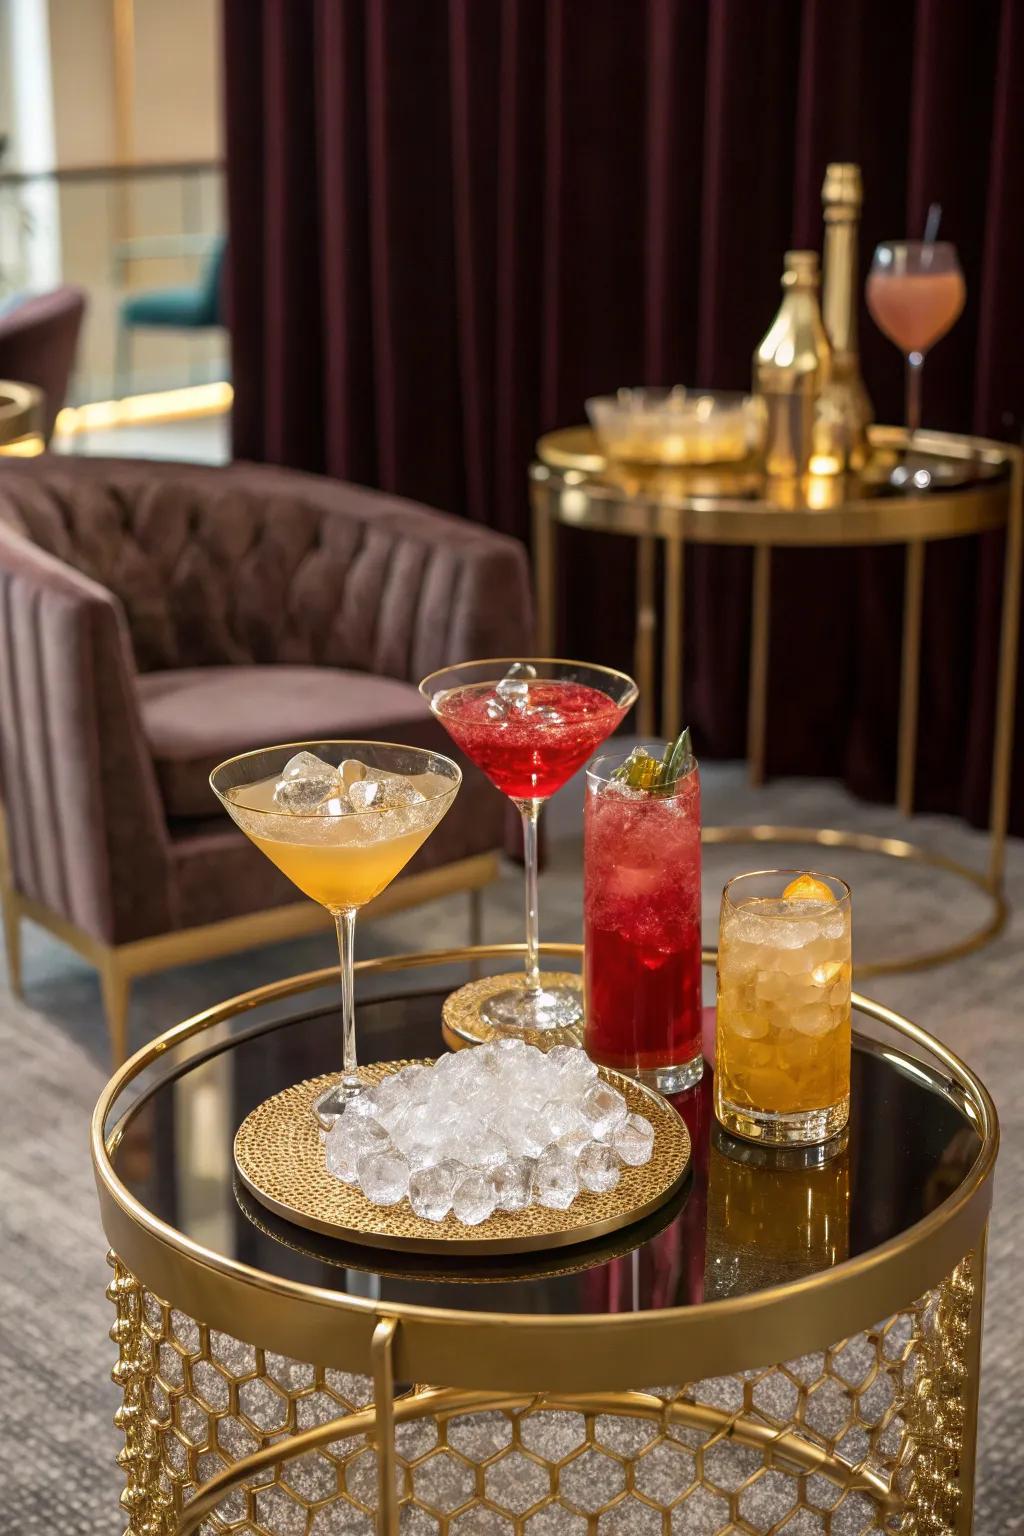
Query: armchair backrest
x=252 y=564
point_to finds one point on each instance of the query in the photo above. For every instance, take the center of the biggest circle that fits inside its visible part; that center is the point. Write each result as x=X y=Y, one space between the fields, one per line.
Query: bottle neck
x=839 y=298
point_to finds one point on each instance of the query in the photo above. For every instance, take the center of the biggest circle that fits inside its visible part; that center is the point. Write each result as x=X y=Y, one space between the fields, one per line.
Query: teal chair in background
x=189 y=307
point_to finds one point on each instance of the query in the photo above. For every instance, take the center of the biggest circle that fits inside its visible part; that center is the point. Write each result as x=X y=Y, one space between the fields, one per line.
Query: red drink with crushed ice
x=642 y=914
x=530 y=743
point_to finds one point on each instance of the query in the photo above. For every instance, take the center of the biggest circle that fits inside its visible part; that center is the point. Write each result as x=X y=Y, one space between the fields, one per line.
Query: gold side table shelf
x=978 y=487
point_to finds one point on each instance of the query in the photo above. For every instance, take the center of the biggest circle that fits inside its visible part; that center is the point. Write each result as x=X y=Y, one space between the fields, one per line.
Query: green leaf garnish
x=641 y=770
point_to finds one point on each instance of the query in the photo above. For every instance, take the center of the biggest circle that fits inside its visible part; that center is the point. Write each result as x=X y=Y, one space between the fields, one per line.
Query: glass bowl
x=677 y=426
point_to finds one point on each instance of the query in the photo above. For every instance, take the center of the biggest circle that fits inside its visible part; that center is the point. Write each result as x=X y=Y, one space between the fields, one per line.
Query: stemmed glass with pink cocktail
x=915 y=292
x=529 y=724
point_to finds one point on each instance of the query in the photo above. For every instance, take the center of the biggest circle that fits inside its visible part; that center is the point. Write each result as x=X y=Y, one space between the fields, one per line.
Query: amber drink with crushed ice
x=782 y=1072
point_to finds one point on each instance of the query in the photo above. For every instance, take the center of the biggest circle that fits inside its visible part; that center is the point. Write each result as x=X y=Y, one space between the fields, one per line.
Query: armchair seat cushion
x=195 y=717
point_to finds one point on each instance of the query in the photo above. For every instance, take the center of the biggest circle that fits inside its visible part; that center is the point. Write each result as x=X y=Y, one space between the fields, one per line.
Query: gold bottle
x=846 y=409
x=792 y=366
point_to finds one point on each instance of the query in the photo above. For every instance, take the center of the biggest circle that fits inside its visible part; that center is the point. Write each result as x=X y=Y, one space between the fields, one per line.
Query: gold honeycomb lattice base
x=887 y=1401
x=280 y=1160
x=461 y=1023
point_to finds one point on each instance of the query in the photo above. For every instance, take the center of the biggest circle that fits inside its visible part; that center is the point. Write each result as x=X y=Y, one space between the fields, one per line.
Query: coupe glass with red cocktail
x=529 y=725
x=642 y=914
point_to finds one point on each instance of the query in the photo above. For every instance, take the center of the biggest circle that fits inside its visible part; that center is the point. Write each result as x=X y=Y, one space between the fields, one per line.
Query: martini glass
x=339 y=856
x=529 y=725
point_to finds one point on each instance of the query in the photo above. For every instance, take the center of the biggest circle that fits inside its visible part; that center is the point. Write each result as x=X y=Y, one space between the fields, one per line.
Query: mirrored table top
x=744 y=1220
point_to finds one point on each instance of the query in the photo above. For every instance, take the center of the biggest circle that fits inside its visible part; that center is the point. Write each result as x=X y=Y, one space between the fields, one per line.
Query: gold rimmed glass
x=782 y=1059
x=339 y=857
x=530 y=724
x=915 y=292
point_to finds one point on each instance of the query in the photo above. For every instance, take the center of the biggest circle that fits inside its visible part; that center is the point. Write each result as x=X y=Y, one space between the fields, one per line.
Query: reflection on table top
x=743 y=1220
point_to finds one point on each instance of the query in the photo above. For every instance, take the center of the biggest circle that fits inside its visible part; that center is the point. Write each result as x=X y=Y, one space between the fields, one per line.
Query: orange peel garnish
x=806 y=888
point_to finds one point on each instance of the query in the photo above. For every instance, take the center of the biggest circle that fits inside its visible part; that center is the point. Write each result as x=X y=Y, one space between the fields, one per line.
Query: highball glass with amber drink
x=782 y=1063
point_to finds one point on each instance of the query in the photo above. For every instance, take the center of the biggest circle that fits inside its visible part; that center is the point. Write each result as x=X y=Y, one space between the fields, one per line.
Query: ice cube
x=555 y=1180
x=633 y=1140
x=351 y=771
x=381 y=791
x=430 y=1190
x=306 y=783
x=513 y=692
x=513 y=1184
x=383 y=1176
x=814 y=1019
x=597 y=1168
x=563 y=1119
x=335 y=806
x=603 y=1108
x=474 y=1197
x=572 y=1063
x=348 y=1139
x=535 y=1134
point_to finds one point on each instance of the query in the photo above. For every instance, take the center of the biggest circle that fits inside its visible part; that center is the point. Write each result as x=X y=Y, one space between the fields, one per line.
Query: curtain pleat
x=452 y=221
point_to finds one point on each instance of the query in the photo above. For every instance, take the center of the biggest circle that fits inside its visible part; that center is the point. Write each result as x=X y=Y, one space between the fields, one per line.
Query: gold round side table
x=974 y=486
x=21 y=418
x=721 y=1366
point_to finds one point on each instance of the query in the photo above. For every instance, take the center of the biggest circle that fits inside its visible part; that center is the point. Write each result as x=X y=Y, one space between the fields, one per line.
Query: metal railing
x=111 y=229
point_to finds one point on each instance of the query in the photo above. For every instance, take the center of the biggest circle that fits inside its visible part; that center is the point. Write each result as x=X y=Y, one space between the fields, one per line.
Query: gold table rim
x=494 y=1349
x=582 y=499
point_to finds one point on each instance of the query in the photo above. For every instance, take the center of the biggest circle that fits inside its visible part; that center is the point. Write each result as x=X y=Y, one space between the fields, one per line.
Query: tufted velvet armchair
x=157 y=618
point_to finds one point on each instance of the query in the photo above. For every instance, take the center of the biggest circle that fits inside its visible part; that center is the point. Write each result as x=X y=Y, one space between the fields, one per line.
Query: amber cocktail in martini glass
x=529 y=725
x=341 y=819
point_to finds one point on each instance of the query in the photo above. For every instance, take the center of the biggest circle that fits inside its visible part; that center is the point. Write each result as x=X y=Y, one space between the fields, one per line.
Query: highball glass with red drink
x=642 y=914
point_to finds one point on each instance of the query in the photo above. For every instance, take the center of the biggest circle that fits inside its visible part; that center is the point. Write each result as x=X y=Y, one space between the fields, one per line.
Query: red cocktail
x=642 y=914
x=529 y=750
x=529 y=725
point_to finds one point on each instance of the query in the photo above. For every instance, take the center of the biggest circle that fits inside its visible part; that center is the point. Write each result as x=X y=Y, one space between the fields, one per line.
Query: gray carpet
x=56 y=1400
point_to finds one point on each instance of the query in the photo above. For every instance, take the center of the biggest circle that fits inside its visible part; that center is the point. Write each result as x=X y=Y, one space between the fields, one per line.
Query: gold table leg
x=672 y=644
x=757 y=699
x=1006 y=688
x=545 y=534
x=910 y=676
x=384 y=1436
x=646 y=627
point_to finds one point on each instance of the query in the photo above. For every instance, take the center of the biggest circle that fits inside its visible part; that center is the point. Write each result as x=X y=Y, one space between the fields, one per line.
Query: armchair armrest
x=85 y=822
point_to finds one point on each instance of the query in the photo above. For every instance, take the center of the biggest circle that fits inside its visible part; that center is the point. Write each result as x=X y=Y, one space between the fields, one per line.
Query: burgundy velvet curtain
x=452 y=220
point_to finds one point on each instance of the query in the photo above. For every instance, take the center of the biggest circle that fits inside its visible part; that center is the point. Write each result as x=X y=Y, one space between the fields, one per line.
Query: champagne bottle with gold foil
x=846 y=408
x=792 y=366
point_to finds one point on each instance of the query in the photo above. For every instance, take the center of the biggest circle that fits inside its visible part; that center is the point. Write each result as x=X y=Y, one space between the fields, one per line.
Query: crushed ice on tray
x=499 y=1128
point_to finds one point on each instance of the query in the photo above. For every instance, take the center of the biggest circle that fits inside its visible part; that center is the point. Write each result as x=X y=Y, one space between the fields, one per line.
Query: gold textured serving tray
x=461 y=1023
x=280 y=1161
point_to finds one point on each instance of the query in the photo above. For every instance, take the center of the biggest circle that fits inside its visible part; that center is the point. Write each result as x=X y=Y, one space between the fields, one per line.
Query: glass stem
x=345 y=922
x=915 y=362
x=530 y=812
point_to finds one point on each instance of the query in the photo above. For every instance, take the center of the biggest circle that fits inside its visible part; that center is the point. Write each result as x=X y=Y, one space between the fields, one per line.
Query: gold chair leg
x=12 y=938
x=10 y=913
x=115 y=985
